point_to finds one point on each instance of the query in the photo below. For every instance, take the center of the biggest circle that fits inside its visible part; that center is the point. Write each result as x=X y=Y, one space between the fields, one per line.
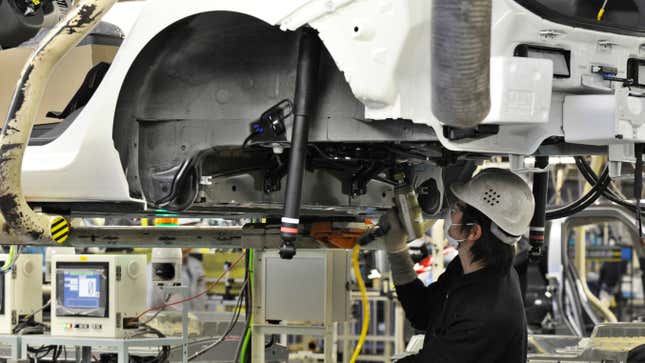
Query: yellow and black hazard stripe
x=59 y=229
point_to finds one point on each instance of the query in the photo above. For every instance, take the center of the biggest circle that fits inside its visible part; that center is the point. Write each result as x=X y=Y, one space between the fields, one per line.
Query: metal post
x=329 y=343
x=257 y=332
x=387 y=308
x=184 y=326
x=122 y=354
x=306 y=84
x=23 y=350
x=346 y=348
x=86 y=353
x=185 y=293
x=15 y=351
x=399 y=328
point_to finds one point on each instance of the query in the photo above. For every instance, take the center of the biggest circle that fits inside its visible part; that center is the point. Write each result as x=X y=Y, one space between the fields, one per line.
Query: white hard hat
x=503 y=197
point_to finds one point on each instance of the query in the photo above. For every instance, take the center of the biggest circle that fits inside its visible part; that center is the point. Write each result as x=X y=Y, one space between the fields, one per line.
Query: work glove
x=397 y=249
x=395 y=237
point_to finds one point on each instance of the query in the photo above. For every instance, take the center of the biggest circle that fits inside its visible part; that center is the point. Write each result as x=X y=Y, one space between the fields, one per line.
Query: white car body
x=383 y=49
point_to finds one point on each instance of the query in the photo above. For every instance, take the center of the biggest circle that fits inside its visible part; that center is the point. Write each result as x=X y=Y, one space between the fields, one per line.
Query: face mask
x=447 y=225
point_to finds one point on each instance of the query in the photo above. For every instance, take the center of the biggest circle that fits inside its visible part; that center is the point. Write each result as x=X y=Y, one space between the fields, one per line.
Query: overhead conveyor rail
x=19 y=224
x=247 y=236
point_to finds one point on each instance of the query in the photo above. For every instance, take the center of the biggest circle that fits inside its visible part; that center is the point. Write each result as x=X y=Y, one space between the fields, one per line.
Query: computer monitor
x=83 y=289
x=97 y=295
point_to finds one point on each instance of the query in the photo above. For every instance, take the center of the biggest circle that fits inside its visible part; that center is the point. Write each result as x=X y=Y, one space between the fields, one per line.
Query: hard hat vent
x=491 y=197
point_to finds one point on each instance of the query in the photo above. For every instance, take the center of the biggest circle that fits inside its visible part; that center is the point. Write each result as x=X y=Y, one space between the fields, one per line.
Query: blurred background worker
x=474 y=312
x=192 y=275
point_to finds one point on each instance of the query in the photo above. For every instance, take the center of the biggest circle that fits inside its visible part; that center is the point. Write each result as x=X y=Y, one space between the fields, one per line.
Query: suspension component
x=306 y=84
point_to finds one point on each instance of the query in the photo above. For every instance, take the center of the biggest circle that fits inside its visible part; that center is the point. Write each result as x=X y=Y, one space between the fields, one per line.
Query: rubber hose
x=461 y=33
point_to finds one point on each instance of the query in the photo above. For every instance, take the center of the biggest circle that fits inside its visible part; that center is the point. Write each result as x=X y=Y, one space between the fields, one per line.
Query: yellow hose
x=366 y=306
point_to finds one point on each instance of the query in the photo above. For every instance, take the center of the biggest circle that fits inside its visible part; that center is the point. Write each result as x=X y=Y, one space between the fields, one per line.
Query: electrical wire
x=613 y=195
x=202 y=293
x=155 y=315
x=596 y=191
x=248 y=304
x=249 y=325
x=44 y=350
x=229 y=329
x=366 y=306
x=27 y=325
x=14 y=253
x=49 y=302
x=163 y=354
x=601 y=12
x=248 y=139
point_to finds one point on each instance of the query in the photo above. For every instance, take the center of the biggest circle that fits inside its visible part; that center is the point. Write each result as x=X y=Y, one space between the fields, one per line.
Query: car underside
x=196 y=111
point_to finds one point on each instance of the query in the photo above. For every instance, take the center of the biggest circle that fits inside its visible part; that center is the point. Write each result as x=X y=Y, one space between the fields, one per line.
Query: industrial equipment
x=303 y=296
x=97 y=295
x=166 y=266
x=50 y=252
x=21 y=296
x=318 y=294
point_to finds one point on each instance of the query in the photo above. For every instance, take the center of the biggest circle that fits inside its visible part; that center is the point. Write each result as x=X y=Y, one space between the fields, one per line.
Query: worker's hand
x=395 y=238
x=396 y=245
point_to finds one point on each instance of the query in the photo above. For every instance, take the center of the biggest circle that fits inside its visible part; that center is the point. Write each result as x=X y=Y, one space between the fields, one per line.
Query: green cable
x=245 y=346
x=247 y=337
x=8 y=264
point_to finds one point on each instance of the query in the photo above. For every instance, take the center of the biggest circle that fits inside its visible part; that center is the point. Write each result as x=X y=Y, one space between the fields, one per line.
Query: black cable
x=156 y=314
x=609 y=193
x=612 y=195
x=231 y=326
x=585 y=201
x=248 y=138
x=163 y=355
x=24 y=325
x=42 y=352
x=270 y=342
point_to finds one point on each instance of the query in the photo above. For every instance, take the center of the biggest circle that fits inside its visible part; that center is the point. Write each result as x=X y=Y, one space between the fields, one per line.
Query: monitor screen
x=82 y=289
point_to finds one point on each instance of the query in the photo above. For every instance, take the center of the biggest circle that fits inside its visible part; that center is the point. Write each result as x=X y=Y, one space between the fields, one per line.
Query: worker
x=474 y=312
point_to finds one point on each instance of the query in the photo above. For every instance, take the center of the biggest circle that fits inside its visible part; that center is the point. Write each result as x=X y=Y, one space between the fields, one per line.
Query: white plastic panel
x=23 y=293
x=520 y=90
x=604 y=119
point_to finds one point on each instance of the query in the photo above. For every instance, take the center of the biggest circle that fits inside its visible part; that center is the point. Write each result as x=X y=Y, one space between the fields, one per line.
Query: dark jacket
x=477 y=317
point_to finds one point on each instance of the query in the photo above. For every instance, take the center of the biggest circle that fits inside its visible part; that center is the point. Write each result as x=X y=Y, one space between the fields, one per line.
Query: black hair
x=488 y=248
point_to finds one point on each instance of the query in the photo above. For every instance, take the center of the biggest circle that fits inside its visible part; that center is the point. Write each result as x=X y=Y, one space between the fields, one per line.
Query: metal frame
x=14 y=342
x=261 y=327
x=185 y=291
x=393 y=343
x=122 y=346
